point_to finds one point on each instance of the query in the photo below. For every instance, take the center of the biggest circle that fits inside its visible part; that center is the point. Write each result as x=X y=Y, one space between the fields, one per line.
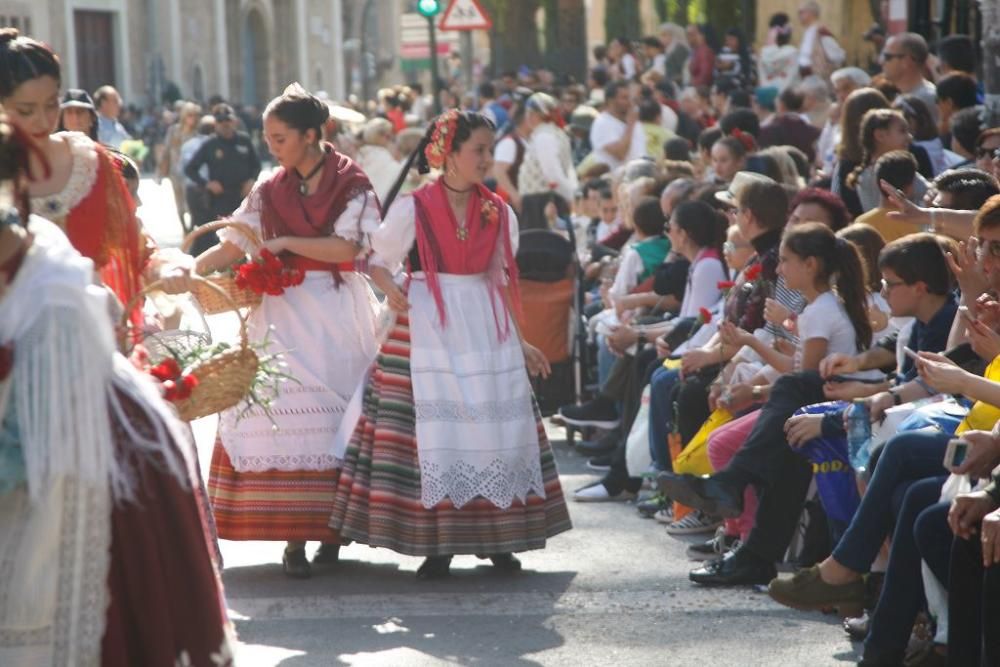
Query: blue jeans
x=605 y=360
x=661 y=415
x=921 y=522
x=906 y=458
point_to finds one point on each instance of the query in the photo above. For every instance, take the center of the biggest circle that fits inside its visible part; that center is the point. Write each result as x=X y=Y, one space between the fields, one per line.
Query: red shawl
x=103 y=228
x=441 y=251
x=285 y=212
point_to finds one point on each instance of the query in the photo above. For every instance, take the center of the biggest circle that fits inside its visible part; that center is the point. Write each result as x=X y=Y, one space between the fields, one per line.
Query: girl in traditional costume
x=104 y=554
x=273 y=475
x=449 y=455
x=75 y=182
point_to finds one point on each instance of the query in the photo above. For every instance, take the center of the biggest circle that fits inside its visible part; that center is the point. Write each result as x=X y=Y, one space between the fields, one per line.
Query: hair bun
x=8 y=35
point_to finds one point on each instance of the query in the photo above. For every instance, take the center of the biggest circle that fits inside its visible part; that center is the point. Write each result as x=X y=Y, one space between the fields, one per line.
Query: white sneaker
x=665 y=515
x=598 y=493
x=694 y=523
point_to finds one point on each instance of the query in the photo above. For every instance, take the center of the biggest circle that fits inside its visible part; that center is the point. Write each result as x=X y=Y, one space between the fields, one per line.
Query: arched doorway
x=256 y=58
x=198 y=84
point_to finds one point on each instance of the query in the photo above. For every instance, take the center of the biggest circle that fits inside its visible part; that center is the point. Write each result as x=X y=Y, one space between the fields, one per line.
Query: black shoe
x=648 y=508
x=506 y=562
x=600 y=412
x=605 y=445
x=709 y=494
x=739 y=567
x=295 y=564
x=327 y=554
x=599 y=463
x=435 y=567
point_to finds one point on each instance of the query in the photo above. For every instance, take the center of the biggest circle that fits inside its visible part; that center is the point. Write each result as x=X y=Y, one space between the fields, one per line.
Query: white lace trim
x=477 y=413
x=83 y=175
x=498 y=481
x=286 y=462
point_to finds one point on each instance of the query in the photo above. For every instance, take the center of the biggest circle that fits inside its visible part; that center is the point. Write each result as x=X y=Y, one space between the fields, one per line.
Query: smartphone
x=910 y=353
x=848 y=378
x=956 y=452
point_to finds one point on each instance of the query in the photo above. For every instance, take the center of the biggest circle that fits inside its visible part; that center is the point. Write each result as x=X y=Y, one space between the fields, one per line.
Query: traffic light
x=429 y=8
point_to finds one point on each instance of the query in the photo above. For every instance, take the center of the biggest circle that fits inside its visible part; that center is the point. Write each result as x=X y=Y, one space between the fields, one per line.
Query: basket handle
x=152 y=287
x=242 y=227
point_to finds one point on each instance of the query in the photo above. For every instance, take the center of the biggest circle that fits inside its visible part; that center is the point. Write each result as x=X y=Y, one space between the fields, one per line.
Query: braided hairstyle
x=466 y=122
x=873 y=120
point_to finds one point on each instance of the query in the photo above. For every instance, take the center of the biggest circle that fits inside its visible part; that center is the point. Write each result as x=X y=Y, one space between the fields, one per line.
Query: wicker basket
x=210 y=300
x=223 y=380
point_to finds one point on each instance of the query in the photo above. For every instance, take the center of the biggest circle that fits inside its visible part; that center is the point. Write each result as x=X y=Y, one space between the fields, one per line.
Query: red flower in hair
x=704 y=315
x=441 y=139
x=753 y=273
x=744 y=138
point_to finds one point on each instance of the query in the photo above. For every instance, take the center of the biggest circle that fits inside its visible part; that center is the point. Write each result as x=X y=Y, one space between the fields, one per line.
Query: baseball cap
x=76 y=97
x=223 y=112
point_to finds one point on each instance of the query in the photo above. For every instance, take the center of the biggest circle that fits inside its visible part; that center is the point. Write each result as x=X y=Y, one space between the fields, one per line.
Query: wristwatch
x=757 y=392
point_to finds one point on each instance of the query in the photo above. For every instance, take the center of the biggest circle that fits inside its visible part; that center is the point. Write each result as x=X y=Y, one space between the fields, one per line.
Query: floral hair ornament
x=442 y=137
x=744 y=138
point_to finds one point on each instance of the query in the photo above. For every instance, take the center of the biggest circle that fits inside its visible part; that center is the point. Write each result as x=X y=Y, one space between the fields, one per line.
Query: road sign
x=465 y=15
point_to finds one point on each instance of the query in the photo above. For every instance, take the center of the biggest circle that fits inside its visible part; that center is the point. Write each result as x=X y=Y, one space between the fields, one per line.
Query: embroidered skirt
x=378 y=499
x=273 y=505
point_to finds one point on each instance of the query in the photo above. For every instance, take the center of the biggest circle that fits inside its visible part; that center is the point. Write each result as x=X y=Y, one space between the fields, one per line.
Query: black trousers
x=973 y=606
x=625 y=384
x=781 y=476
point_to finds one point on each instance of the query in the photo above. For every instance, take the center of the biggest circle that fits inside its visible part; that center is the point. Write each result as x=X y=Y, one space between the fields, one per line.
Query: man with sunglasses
x=903 y=62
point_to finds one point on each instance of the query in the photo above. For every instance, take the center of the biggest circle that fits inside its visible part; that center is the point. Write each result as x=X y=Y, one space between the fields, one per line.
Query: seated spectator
x=729 y=156
x=818 y=205
x=964 y=189
x=677 y=149
x=987 y=144
x=882 y=130
x=955 y=91
x=925 y=136
x=788 y=127
x=974 y=584
x=898 y=169
x=966 y=126
x=813 y=261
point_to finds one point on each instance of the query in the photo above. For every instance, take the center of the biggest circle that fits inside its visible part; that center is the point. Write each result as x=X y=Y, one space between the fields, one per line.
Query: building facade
x=244 y=50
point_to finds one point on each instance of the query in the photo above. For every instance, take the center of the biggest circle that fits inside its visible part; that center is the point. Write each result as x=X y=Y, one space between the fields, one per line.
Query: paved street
x=612 y=591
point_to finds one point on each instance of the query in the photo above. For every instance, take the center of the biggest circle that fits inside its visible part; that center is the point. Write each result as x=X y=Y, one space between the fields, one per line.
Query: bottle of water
x=859 y=434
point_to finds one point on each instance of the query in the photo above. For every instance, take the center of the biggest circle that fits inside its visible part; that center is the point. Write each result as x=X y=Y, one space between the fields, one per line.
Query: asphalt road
x=613 y=591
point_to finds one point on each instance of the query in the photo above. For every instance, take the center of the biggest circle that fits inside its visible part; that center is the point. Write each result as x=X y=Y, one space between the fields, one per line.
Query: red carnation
x=704 y=315
x=166 y=370
x=725 y=284
x=753 y=273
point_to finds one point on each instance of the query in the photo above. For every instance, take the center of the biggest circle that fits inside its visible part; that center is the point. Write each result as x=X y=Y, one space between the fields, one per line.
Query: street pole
x=990 y=11
x=436 y=79
x=467 y=60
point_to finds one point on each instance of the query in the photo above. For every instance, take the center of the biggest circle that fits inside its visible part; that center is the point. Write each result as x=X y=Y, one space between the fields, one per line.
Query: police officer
x=233 y=166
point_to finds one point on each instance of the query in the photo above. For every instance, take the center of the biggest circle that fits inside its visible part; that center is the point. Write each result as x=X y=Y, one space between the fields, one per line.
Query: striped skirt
x=378 y=492
x=277 y=505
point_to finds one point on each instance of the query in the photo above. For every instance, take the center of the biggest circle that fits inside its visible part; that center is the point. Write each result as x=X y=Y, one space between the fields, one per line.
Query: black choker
x=304 y=180
x=456 y=190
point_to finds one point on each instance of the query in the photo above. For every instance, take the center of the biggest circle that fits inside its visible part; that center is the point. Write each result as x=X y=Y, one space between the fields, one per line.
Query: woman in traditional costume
x=449 y=455
x=75 y=182
x=273 y=475
x=104 y=554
